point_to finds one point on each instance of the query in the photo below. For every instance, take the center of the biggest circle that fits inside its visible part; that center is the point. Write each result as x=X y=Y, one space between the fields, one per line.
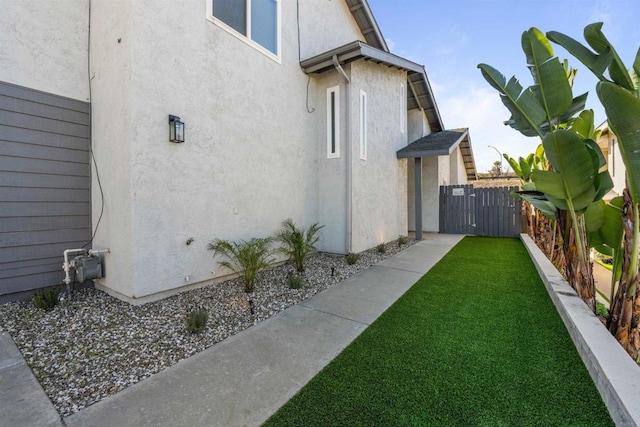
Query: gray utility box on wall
x=87 y=267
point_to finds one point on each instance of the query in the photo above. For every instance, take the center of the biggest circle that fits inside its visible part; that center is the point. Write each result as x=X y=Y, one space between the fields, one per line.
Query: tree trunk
x=578 y=269
x=624 y=318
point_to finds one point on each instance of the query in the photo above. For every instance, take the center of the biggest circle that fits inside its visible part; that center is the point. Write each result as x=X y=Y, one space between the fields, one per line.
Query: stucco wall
x=250 y=159
x=324 y=25
x=380 y=181
x=332 y=184
x=112 y=133
x=457 y=170
x=43 y=45
x=615 y=164
x=435 y=172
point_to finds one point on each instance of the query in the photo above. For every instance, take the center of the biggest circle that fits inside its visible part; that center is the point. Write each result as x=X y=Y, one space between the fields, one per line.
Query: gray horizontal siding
x=43 y=266
x=42 y=223
x=41 y=180
x=33 y=151
x=42 y=124
x=30 y=194
x=20 y=92
x=45 y=185
x=53 y=167
x=39 y=110
x=25 y=209
x=31 y=136
x=29 y=282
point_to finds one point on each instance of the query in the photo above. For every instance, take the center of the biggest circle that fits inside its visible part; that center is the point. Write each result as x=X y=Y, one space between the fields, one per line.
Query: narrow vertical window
x=333 y=122
x=403 y=108
x=363 y=125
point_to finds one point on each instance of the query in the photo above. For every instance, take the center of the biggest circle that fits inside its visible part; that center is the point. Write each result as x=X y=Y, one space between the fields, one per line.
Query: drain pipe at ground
x=349 y=171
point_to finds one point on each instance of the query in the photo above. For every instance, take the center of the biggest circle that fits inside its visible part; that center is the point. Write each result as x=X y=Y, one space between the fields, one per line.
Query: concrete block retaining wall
x=614 y=373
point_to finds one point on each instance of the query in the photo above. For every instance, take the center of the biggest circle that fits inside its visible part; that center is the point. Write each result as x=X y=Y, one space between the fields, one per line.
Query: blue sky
x=451 y=37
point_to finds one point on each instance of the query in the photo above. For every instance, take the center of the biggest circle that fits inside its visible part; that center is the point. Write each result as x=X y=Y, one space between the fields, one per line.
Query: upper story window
x=256 y=22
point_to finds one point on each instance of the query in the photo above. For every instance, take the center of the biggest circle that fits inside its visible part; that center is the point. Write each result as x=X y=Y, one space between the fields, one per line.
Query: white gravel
x=99 y=345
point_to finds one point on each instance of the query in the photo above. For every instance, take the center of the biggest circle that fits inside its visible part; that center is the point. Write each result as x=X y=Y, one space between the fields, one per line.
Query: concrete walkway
x=22 y=399
x=244 y=379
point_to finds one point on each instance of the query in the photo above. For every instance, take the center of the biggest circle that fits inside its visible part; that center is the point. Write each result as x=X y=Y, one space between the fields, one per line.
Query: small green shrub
x=197 y=321
x=601 y=310
x=295 y=281
x=381 y=248
x=402 y=240
x=296 y=242
x=245 y=258
x=46 y=299
x=352 y=258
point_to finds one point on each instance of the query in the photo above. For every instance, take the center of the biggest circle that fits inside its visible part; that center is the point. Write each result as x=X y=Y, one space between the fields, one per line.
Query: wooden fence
x=479 y=211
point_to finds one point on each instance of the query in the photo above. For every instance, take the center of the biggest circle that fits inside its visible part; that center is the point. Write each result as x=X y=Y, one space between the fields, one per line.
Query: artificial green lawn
x=476 y=341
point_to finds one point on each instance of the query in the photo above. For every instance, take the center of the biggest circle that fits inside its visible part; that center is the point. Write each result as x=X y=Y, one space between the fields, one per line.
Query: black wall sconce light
x=176 y=129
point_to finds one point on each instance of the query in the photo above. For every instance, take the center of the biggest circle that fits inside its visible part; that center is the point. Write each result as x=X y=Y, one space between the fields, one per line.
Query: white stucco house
x=291 y=109
x=608 y=143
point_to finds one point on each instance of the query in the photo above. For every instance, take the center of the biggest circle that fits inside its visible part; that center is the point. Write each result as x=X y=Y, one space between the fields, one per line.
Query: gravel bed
x=98 y=345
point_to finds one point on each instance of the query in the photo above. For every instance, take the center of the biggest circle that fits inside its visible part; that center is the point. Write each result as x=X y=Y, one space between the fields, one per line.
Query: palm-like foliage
x=297 y=243
x=572 y=182
x=245 y=258
x=619 y=92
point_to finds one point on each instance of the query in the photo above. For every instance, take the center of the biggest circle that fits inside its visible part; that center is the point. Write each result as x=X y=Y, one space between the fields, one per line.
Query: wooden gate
x=479 y=211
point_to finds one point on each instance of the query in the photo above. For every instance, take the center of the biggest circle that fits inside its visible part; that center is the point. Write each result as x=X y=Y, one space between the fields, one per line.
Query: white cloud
x=480 y=109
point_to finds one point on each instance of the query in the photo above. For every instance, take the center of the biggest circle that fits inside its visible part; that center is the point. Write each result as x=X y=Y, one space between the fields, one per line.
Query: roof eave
x=371 y=31
x=353 y=51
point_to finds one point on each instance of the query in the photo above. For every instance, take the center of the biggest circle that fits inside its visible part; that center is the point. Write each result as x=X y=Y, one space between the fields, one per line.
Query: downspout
x=348 y=155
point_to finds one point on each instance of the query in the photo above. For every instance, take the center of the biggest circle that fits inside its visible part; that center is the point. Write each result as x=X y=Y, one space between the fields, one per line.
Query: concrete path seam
x=334 y=315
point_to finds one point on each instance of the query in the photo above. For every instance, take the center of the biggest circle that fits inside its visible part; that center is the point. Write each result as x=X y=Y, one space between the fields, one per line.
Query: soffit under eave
x=443 y=143
x=365 y=20
x=419 y=93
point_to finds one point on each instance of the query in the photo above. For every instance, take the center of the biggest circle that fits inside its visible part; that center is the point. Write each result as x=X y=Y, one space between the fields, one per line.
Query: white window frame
x=363 y=124
x=403 y=108
x=333 y=116
x=247 y=38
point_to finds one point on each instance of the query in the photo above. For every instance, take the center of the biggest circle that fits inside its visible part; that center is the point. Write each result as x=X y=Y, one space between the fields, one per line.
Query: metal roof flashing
x=419 y=93
x=443 y=144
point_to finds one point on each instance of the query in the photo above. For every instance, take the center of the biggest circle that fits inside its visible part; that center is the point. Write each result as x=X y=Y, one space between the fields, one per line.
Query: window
x=256 y=22
x=363 y=125
x=403 y=108
x=333 y=122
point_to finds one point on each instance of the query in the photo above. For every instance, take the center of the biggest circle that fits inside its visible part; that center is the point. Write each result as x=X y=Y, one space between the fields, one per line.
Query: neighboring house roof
x=443 y=144
x=420 y=95
x=368 y=26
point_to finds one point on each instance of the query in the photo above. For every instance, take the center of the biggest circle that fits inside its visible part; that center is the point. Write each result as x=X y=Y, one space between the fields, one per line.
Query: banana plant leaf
x=525 y=110
x=596 y=152
x=623 y=111
x=514 y=165
x=636 y=72
x=571 y=182
x=593 y=218
x=611 y=228
x=583 y=125
x=543 y=205
x=598 y=64
x=617 y=70
x=604 y=58
x=551 y=86
x=525 y=167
